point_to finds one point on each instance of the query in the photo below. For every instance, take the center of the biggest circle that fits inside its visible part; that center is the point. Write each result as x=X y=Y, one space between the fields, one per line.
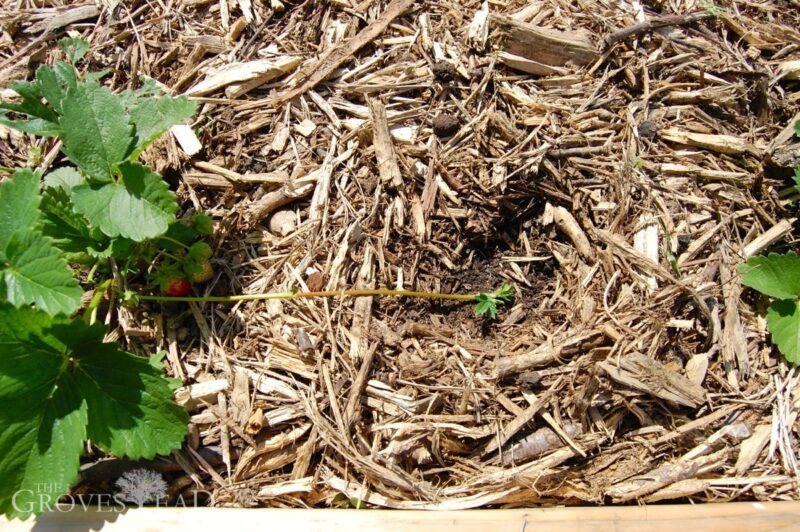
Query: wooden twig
x=652 y=24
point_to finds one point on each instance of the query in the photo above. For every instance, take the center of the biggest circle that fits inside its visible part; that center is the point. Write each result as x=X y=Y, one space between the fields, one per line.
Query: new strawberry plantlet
x=65 y=383
x=486 y=303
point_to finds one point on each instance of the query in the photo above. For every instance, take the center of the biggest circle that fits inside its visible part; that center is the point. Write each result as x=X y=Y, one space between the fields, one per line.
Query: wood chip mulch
x=614 y=162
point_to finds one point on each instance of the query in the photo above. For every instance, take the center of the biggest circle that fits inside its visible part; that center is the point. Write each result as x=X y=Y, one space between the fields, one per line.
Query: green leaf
x=96 y=131
x=139 y=206
x=783 y=322
x=775 y=275
x=35 y=272
x=19 y=203
x=70 y=231
x=41 y=119
x=43 y=433
x=65 y=177
x=67 y=385
x=797 y=179
x=504 y=293
x=153 y=116
x=74 y=49
x=51 y=88
x=797 y=128
x=34 y=126
x=486 y=306
x=131 y=411
x=31 y=102
x=203 y=223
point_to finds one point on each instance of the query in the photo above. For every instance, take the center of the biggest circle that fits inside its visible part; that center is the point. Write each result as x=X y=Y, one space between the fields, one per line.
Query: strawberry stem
x=300 y=295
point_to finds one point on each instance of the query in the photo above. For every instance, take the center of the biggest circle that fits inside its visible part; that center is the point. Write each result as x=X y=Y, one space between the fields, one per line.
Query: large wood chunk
x=542 y=45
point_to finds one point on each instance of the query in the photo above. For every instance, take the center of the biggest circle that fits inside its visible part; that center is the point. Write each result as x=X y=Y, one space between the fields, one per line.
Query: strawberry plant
x=60 y=382
x=778 y=276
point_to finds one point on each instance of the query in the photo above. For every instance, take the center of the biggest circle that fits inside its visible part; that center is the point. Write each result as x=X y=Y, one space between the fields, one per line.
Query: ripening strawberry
x=177 y=287
x=204 y=273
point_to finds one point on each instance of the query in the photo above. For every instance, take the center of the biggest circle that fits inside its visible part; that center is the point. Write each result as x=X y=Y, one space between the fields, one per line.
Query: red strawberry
x=204 y=272
x=177 y=287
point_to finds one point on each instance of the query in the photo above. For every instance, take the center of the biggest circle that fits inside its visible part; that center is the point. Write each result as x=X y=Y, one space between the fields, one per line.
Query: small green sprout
x=487 y=302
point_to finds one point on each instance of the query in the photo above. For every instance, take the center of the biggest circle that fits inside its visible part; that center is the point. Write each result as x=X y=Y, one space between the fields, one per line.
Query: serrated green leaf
x=31 y=104
x=783 y=322
x=19 y=203
x=153 y=116
x=74 y=49
x=36 y=273
x=41 y=119
x=131 y=411
x=96 y=130
x=774 y=275
x=66 y=74
x=139 y=206
x=486 y=307
x=34 y=126
x=504 y=293
x=67 y=385
x=51 y=89
x=70 y=231
x=43 y=433
x=65 y=177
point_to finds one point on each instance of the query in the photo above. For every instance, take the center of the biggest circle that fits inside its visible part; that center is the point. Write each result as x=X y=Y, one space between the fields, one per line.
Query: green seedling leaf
x=504 y=293
x=138 y=207
x=66 y=385
x=31 y=105
x=797 y=128
x=74 y=49
x=774 y=275
x=486 y=306
x=96 y=130
x=36 y=272
x=487 y=302
x=783 y=322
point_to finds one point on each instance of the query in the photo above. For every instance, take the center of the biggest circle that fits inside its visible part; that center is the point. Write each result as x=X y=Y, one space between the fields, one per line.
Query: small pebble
x=282 y=222
x=648 y=129
x=443 y=71
x=445 y=125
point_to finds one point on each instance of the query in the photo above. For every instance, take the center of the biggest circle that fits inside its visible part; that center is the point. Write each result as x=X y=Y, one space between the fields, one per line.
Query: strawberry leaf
x=783 y=322
x=96 y=130
x=774 y=275
x=19 y=203
x=67 y=385
x=35 y=272
x=153 y=116
x=139 y=206
x=74 y=49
